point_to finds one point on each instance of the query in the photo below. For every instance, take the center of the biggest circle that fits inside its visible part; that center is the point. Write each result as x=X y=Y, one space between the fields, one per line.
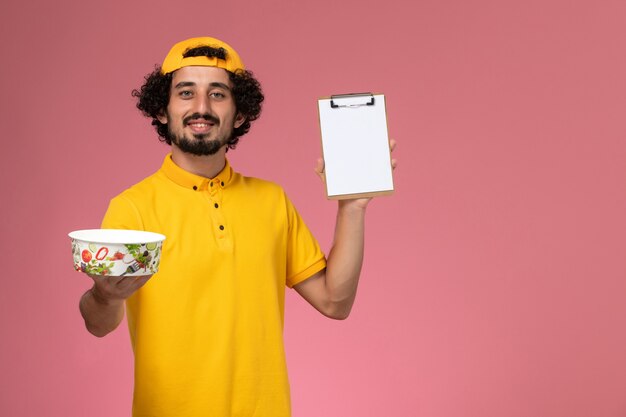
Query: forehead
x=200 y=75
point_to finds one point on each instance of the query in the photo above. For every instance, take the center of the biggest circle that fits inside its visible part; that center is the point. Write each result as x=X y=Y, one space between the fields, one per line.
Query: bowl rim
x=116 y=236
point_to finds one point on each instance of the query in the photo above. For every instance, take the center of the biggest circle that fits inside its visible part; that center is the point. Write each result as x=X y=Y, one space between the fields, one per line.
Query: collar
x=196 y=182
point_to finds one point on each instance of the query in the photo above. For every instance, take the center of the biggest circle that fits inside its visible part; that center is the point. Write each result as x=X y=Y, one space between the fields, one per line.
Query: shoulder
x=258 y=185
x=265 y=195
x=124 y=210
x=143 y=189
x=137 y=195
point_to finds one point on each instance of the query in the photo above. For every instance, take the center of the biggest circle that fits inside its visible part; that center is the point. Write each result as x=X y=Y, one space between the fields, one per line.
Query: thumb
x=319 y=169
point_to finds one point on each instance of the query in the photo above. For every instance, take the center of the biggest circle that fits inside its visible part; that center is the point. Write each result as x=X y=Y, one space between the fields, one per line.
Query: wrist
x=353 y=207
x=102 y=299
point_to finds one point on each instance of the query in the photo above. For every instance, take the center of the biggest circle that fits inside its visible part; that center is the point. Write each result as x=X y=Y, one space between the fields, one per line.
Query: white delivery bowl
x=116 y=252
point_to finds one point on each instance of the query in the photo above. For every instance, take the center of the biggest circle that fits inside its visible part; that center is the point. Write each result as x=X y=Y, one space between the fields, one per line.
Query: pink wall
x=495 y=279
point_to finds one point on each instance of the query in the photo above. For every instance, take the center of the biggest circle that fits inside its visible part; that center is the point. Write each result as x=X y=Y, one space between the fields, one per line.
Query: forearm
x=101 y=316
x=345 y=258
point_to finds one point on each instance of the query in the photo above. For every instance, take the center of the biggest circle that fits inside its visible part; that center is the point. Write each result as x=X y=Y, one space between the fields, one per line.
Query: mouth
x=200 y=126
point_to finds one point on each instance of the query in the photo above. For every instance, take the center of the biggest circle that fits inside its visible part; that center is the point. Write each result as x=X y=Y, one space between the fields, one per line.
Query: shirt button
x=221 y=227
x=216 y=205
x=195 y=188
x=211 y=184
x=222 y=183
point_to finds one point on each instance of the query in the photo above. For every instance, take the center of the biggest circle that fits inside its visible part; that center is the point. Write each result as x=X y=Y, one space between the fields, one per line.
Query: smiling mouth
x=200 y=127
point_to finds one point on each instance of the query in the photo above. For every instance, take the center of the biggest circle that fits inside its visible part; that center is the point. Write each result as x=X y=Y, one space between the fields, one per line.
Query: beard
x=199 y=145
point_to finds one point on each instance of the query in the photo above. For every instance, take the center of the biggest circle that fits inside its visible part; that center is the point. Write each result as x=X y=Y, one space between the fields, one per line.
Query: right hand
x=114 y=288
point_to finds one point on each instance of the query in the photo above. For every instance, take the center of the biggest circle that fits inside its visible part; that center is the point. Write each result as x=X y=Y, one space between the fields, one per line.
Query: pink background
x=495 y=277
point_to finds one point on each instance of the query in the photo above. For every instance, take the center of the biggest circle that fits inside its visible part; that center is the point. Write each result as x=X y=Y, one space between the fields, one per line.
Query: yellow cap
x=175 y=59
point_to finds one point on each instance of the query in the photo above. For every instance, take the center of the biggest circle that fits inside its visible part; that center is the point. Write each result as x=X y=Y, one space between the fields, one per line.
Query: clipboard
x=355 y=145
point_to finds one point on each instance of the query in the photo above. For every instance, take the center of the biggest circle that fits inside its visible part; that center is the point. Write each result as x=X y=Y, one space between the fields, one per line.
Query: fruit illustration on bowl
x=86 y=255
x=116 y=256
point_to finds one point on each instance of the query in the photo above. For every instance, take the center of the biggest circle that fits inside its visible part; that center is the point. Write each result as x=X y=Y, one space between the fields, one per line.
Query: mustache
x=206 y=116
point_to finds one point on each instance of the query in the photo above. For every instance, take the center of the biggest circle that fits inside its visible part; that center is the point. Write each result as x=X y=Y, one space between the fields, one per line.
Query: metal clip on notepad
x=352 y=100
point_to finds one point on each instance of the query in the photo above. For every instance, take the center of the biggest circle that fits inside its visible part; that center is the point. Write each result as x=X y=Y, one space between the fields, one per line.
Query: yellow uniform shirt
x=207 y=329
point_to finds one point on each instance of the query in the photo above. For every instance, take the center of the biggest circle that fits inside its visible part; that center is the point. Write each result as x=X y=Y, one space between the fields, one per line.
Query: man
x=206 y=330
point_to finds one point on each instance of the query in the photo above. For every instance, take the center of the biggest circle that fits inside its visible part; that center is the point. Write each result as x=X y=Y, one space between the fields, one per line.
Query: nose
x=202 y=104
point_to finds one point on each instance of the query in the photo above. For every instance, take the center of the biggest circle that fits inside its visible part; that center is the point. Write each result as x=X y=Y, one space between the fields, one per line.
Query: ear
x=162 y=117
x=239 y=120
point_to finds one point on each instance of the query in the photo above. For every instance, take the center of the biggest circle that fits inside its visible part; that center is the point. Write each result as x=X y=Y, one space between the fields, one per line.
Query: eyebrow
x=184 y=84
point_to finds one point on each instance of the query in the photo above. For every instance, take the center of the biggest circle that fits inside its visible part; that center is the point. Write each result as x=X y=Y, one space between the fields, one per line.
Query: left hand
x=356 y=202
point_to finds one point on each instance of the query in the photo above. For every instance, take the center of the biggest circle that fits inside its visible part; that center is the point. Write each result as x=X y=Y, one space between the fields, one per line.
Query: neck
x=207 y=166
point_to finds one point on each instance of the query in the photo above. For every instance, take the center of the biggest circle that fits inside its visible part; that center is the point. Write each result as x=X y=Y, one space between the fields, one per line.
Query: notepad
x=355 y=145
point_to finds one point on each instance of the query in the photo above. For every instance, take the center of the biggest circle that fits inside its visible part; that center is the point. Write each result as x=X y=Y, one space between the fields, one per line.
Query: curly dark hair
x=154 y=96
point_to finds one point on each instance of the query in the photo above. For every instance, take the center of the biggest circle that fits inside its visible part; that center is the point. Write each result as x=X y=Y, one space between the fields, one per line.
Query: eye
x=218 y=95
x=185 y=94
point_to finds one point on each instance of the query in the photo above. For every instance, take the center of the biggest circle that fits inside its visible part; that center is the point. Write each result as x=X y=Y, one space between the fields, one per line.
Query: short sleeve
x=304 y=255
x=122 y=214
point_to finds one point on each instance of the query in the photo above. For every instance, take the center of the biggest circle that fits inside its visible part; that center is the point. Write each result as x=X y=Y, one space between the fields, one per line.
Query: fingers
x=392 y=146
x=130 y=284
x=139 y=281
x=118 y=287
x=319 y=169
x=105 y=279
